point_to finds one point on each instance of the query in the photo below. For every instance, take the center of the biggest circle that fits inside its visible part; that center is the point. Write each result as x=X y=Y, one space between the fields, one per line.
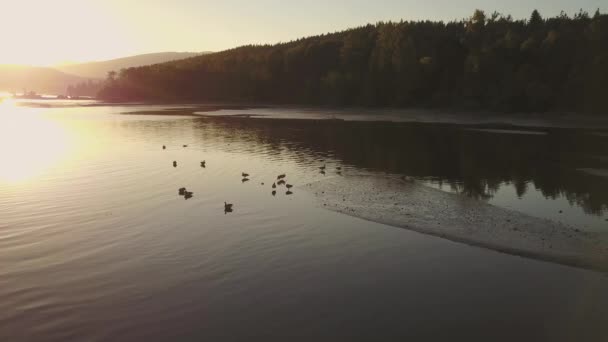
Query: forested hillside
x=488 y=62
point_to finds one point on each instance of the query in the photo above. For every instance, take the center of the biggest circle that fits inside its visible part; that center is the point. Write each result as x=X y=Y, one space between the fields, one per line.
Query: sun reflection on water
x=30 y=144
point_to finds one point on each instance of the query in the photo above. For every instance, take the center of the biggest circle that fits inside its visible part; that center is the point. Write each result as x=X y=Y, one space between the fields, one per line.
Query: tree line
x=85 y=88
x=489 y=62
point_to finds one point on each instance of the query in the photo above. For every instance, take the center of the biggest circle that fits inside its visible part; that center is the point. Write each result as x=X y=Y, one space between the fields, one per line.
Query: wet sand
x=596 y=172
x=408 y=204
x=191 y=111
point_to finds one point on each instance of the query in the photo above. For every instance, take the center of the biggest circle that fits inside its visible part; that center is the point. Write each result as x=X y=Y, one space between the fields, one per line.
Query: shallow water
x=96 y=243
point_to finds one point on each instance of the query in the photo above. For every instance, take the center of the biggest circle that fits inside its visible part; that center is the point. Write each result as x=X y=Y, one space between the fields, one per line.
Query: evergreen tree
x=536 y=20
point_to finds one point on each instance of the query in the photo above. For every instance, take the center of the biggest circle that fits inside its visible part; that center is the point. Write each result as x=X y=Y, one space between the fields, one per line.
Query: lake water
x=97 y=245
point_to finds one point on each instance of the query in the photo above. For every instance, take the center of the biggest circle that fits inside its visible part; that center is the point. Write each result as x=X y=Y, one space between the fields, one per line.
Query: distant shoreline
x=237 y=110
x=385 y=114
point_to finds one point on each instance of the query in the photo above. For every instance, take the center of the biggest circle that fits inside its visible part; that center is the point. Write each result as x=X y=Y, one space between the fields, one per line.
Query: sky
x=45 y=32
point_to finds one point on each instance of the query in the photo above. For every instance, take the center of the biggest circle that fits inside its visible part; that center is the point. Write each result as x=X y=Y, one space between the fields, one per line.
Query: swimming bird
x=164 y=147
x=323 y=167
x=185 y=145
x=174 y=163
x=288 y=193
x=188 y=194
x=245 y=175
x=182 y=191
x=289 y=186
x=323 y=172
x=245 y=180
x=227 y=207
x=274 y=192
x=281 y=176
x=281 y=182
x=203 y=164
x=339 y=168
x=274 y=185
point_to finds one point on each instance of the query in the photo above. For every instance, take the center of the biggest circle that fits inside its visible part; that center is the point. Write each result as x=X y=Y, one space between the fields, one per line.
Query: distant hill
x=39 y=79
x=81 y=78
x=101 y=69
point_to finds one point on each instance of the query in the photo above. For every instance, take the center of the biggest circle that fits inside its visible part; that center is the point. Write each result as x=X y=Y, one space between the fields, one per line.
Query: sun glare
x=29 y=143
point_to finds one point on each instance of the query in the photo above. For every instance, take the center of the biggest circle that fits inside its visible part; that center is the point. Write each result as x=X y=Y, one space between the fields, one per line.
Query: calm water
x=96 y=244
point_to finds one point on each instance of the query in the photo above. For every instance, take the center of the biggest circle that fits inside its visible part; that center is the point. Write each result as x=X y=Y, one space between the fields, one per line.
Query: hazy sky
x=45 y=32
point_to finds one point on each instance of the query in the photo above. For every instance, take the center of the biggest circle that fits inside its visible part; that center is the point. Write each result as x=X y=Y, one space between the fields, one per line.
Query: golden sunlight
x=29 y=143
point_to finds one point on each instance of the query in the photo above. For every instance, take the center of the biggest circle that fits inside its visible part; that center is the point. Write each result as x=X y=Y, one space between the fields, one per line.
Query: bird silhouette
x=203 y=164
x=281 y=176
x=245 y=180
x=274 y=192
x=281 y=182
x=322 y=167
x=164 y=147
x=227 y=207
x=274 y=185
x=188 y=194
x=174 y=163
x=185 y=145
x=289 y=186
x=288 y=193
x=245 y=175
x=182 y=191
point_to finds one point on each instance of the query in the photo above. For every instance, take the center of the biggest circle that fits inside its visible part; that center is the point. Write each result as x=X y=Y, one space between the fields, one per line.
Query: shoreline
x=385 y=114
x=455 y=116
x=409 y=205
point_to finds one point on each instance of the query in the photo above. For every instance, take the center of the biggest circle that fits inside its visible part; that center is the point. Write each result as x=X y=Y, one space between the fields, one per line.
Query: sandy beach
x=408 y=204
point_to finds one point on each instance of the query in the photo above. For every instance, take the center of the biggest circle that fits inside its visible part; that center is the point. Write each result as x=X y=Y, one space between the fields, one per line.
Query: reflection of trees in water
x=472 y=163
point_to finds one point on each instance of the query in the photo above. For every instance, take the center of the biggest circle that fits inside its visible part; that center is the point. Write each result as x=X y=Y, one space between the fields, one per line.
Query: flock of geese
x=280 y=181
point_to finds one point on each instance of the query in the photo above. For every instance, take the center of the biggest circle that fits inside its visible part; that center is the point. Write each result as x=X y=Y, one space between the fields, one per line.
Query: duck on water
x=228 y=207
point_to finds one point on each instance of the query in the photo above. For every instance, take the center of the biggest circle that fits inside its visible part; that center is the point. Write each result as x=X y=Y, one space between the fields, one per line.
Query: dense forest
x=86 y=88
x=488 y=62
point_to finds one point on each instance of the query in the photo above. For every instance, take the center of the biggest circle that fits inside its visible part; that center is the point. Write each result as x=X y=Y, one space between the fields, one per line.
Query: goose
x=288 y=193
x=203 y=164
x=245 y=180
x=228 y=206
x=274 y=185
x=182 y=191
x=289 y=186
x=174 y=163
x=281 y=182
x=188 y=194
x=281 y=176
x=274 y=192
x=164 y=147
x=245 y=175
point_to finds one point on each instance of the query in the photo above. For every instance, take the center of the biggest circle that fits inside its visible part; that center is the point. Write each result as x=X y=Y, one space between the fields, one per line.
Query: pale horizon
x=67 y=32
